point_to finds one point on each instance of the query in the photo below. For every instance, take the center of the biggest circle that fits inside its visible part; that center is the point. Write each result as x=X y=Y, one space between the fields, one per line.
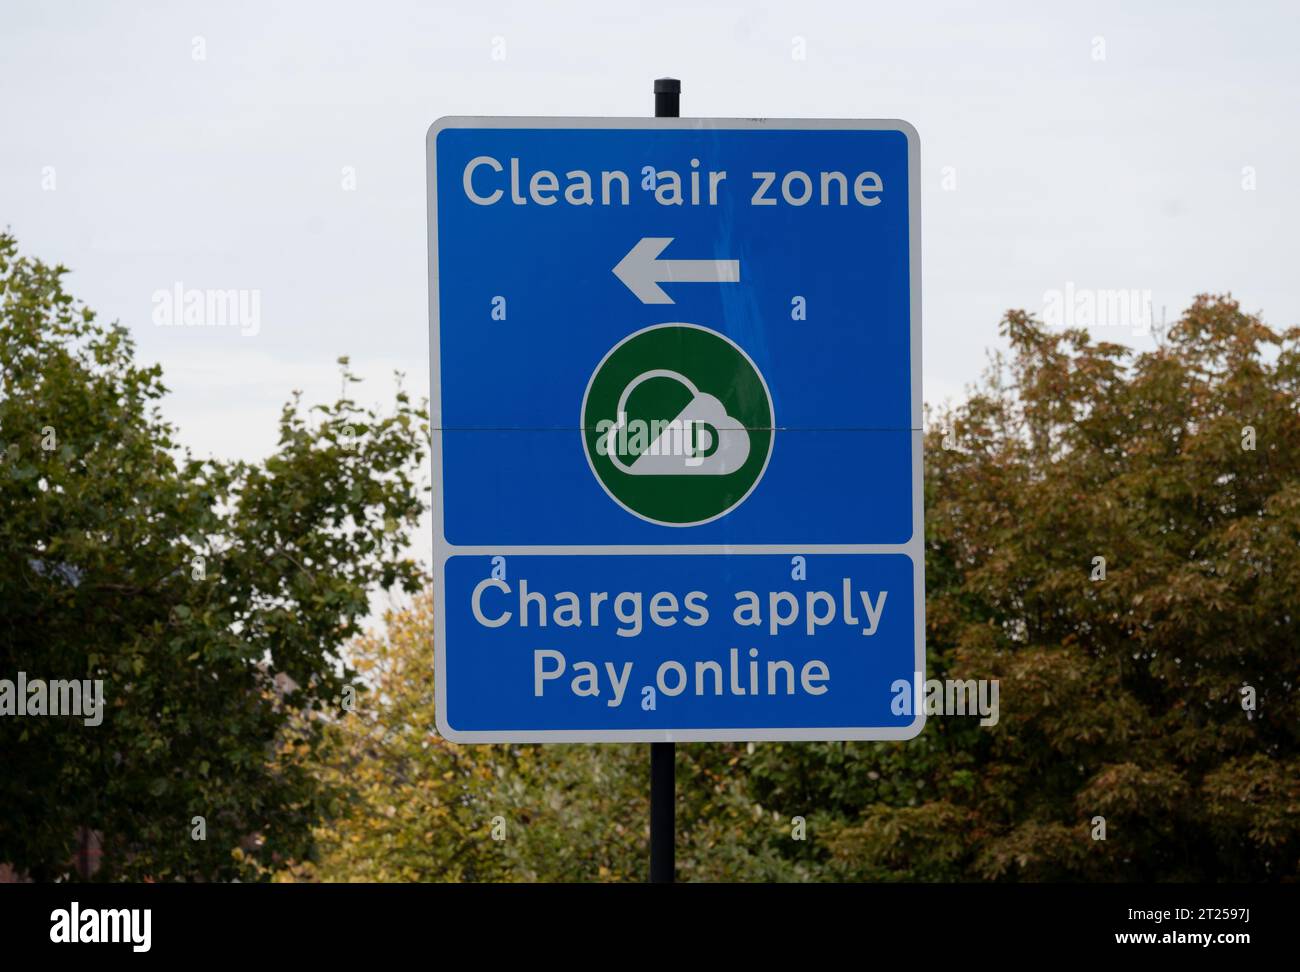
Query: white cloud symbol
x=686 y=445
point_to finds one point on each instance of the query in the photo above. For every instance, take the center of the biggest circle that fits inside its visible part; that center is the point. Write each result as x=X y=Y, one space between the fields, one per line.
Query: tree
x=212 y=599
x=1158 y=693
x=405 y=804
x=402 y=803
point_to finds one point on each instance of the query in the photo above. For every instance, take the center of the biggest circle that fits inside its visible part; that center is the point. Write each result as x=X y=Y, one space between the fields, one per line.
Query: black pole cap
x=668 y=98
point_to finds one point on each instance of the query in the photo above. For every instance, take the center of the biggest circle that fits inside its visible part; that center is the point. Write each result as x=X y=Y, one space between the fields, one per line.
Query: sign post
x=676 y=452
x=663 y=755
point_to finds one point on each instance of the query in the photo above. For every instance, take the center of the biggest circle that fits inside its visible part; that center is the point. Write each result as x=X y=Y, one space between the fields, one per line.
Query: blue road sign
x=677 y=429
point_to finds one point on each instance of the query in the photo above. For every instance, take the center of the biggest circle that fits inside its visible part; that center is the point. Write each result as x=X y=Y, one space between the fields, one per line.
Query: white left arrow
x=642 y=272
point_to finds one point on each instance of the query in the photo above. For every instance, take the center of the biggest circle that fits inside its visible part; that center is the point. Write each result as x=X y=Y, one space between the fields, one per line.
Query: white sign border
x=442 y=550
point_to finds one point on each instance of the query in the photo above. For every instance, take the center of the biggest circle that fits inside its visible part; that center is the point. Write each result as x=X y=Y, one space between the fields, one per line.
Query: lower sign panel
x=645 y=647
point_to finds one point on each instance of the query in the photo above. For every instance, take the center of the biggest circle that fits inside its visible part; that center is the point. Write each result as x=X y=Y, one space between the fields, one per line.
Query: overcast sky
x=1136 y=146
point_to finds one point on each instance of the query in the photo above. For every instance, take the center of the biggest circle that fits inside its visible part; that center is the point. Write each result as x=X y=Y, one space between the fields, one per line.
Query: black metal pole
x=668 y=98
x=663 y=812
x=663 y=755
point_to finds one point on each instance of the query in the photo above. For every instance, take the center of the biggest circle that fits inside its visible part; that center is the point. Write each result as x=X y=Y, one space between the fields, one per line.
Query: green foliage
x=406 y=805
x=1120 y=698
x=400 y=802
x=186 y=585
x=220 y=604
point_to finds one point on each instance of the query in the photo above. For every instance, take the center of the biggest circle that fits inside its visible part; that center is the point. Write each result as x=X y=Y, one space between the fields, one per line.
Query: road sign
x=677 y=429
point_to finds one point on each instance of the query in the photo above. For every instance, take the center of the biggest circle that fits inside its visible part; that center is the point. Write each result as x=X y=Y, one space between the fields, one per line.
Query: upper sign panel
x=674 y=331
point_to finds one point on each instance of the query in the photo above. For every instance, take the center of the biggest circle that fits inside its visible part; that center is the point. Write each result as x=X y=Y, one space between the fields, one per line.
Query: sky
x=1142 y=148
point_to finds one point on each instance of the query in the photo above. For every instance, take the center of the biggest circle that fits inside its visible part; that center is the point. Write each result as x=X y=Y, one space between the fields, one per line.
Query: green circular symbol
x=677 y=424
